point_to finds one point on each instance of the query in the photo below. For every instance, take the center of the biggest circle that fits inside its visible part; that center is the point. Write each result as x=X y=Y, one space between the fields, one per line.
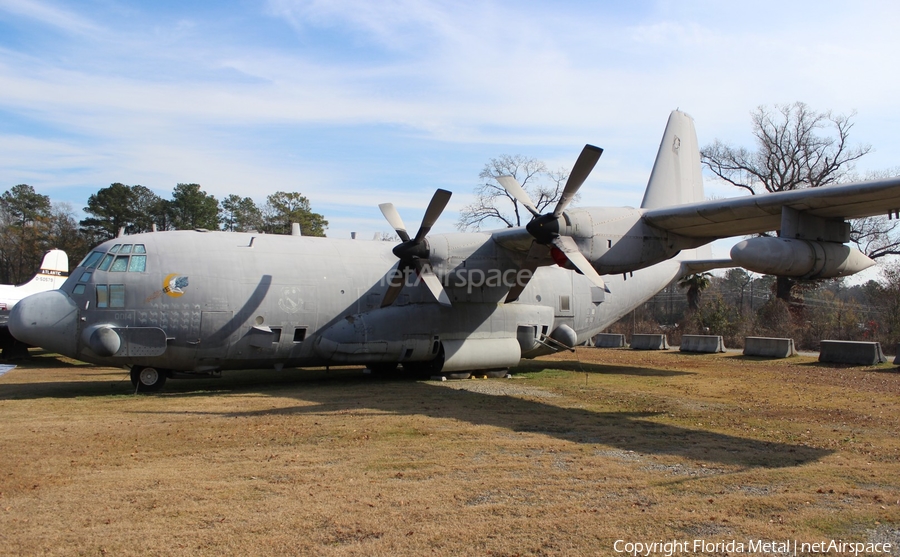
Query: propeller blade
x=395 y=284
x=433 y=283
x=435 y=208
x=393 y=217
x=536 y=254
x=567 y=245
x=582 y=169
x=413 y=253
x=513 y=188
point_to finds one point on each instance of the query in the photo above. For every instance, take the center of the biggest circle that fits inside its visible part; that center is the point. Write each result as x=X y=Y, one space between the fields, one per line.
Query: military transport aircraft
x=195 y=302
x=51 y=275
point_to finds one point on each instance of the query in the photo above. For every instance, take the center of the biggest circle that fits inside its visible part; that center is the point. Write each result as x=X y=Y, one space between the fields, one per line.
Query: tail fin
x=56 y=262
x=676 y=178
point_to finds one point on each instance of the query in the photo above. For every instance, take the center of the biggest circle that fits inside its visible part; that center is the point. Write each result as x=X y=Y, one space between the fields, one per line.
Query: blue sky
x=355 y=103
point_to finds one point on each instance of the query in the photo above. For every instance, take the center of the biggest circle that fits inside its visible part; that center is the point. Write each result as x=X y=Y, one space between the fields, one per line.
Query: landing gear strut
x=148 y=379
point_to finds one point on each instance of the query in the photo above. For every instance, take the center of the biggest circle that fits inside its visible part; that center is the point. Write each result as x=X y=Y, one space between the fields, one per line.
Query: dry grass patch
x=564 y=459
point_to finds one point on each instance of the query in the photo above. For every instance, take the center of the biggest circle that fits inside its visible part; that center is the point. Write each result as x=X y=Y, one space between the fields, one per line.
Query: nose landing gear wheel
x=147 y=379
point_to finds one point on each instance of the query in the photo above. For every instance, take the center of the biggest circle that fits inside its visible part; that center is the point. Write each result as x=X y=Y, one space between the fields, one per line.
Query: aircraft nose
x=47 y=319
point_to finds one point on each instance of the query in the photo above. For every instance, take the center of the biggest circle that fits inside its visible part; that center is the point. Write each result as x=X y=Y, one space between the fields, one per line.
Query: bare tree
x=796 y=147
x=877 y=236
x=387 y=237
x=493 y=205
x=792 y=152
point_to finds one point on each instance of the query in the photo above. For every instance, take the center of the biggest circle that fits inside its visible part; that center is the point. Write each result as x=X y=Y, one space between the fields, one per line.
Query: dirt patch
x=572 y=454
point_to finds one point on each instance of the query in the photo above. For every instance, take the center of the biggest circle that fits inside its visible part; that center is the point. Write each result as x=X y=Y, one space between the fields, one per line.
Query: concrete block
x=767 y=347
x=649 y=342
x=609 y=340
x=702 y=343
x=851 y=352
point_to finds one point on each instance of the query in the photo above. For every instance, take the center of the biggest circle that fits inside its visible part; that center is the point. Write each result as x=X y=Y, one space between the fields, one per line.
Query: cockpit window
x=104 y=265
x=138 y=264
x=92 y=259
x=120 y=265
x=102 y=296
x=116 y=295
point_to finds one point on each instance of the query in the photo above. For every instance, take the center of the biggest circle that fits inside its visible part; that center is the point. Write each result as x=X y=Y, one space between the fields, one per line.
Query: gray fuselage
x=197 y=301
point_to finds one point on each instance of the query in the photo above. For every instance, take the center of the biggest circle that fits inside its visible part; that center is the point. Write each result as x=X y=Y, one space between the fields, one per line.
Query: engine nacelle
x=799 y=258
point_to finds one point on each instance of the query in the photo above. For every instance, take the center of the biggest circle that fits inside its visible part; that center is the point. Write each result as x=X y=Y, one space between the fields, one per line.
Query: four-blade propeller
x=545 y=229
x=414 y=252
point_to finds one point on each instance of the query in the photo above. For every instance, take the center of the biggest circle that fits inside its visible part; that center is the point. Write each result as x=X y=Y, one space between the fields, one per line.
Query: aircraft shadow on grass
x=629 y=431
x=345 y=391
x=599 y=368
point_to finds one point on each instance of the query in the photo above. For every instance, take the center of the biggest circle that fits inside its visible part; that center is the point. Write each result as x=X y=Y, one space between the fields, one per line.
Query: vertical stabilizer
x=55 y=262
x=676 y=178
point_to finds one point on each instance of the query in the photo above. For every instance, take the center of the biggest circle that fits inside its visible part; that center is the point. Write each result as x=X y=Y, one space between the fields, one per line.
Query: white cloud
x=47 y=14
x=355 y=103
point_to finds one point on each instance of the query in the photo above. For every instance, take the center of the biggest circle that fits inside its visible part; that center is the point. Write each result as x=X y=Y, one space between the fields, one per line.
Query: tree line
x=31 y=224
x=741 y=304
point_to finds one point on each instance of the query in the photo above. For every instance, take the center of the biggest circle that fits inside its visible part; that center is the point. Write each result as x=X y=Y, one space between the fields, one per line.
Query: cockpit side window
x=115 y=248
x=102 y=296
x=104 y=265
x=116 y=295
x=92 y=259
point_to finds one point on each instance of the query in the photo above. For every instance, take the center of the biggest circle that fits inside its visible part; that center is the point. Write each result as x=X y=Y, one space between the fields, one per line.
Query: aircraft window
x=120 y=265
x=79 y=289
x=106 y=261
x=299 y=334
x=92 y=259
x=116 y=295
x=139 y=248
x=115 y=248
x=125 y=249
x=276 y=335
x=85 y=276
x=102 y=296
x=138 y=264
x=564 y=303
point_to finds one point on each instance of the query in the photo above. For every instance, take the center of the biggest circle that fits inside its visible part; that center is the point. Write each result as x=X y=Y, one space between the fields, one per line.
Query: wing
x=762 y=213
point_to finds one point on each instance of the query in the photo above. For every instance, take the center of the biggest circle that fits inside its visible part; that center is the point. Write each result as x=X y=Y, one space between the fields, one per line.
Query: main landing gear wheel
x=147 y=379
x=382 y=368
